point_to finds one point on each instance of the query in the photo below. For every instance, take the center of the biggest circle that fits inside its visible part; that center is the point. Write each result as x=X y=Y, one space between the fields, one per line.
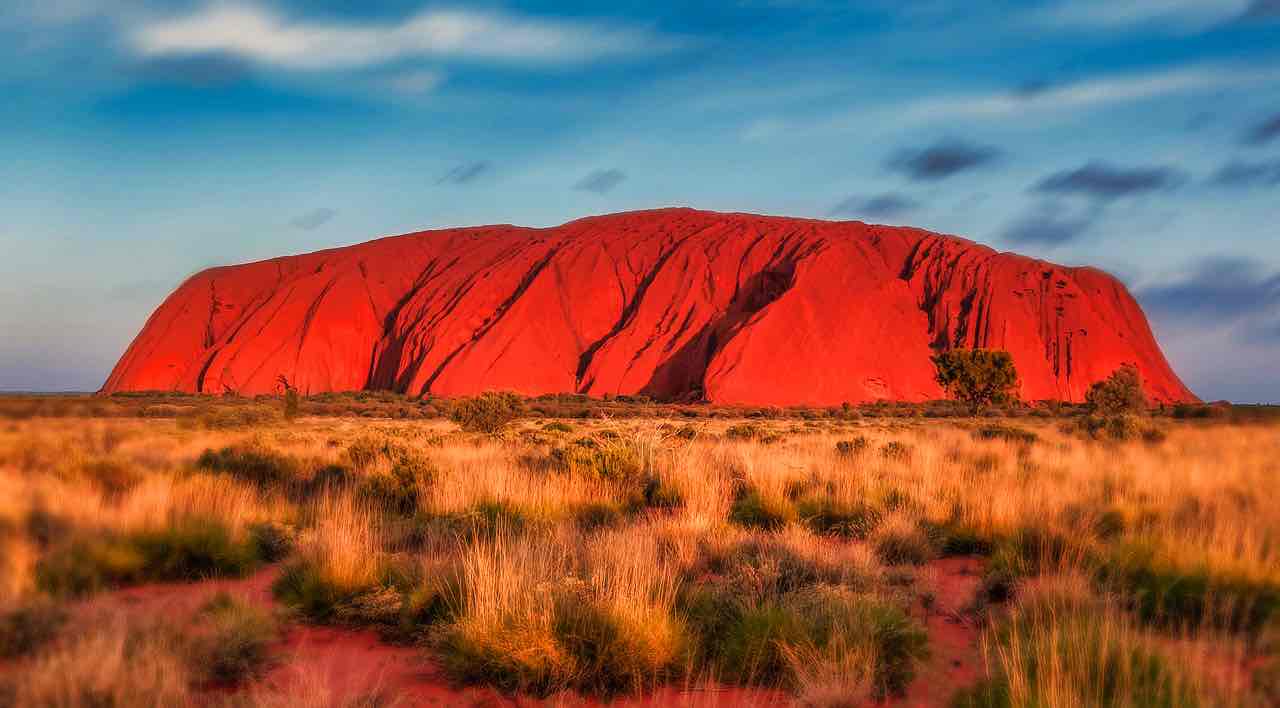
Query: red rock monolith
x=671 y=303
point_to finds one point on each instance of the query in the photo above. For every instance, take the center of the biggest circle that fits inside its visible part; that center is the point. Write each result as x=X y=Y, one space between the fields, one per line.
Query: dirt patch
x=349 y=663
x=177 y=600
x=955 y=659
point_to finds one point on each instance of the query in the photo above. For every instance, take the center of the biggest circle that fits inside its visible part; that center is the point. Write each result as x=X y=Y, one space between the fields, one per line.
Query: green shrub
x=194 y=549
x=271 y=541
x=489 y=412
x=769 y=642
x=221 y=417
x=484 y=519
x=231 y=640
x=29 y=626
x=252 y=462
x=896 y=451
x=829 y=517
x=113 y=477
x=896 y=499
x=1167 y=596
x=751 y=649
x=590 y=517
x=587 y=643
x=1153 y=436
x=557 y=426
x=1189 y=411
x=986 y=463
x=426 y=604
x=537 y=669
x=901 y=544
x=1103 y=665
x=394 y=473
x=1006 y=433
x=1027 y=552
x=759 y=511
x=744 y=431
x=370 y=449
x=395 y=491
x=380 y=606
x=1121 y=427
x=900 y=645
x=687 y=432
x=660 y=493
x=955 y=539
x=45 y=527
x=1109 y=524
x=324 y=479
x=851 y=448
x=302 y=587
x=762 y=567
x=86 y=565
x=611 y=654
x=710 y=608
x=620 y=461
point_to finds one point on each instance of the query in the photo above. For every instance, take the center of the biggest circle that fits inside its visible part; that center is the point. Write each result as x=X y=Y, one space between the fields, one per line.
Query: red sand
x=672 y=303
x=955 y=660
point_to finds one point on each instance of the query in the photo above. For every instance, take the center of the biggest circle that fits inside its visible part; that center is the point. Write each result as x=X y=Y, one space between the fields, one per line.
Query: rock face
x=673 y=303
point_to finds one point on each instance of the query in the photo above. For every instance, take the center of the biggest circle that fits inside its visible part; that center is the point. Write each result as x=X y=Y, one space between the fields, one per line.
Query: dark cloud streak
x=601 y=181
x=1248 y=174
x=1215 y=289
x=313 y=219
x=1262 y=10
x=1049 y=224
x=1032 y=88
x=1106 y=182
x=880 y=206
x=941 y=160
x=1263 y=132
x=466 y=173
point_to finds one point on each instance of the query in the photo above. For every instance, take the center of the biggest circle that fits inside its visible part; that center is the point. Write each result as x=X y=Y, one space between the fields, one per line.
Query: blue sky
x=145 y=140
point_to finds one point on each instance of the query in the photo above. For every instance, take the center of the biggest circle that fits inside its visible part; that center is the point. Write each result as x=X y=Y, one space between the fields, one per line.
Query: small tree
x=1119 y=394
x=978 y=377
x=489 y=412
x=291 y=399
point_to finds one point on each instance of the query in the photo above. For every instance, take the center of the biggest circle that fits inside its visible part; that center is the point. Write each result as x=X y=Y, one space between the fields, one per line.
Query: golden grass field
x=768 y=561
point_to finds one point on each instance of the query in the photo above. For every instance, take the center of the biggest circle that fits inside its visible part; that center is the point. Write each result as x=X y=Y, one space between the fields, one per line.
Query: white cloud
x=1091 y=92
x=1179 y=15
x=1080 y=95
x=261 y=35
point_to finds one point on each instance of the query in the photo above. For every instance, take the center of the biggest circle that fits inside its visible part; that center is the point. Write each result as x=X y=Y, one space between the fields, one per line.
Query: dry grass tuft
x=113 y=664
